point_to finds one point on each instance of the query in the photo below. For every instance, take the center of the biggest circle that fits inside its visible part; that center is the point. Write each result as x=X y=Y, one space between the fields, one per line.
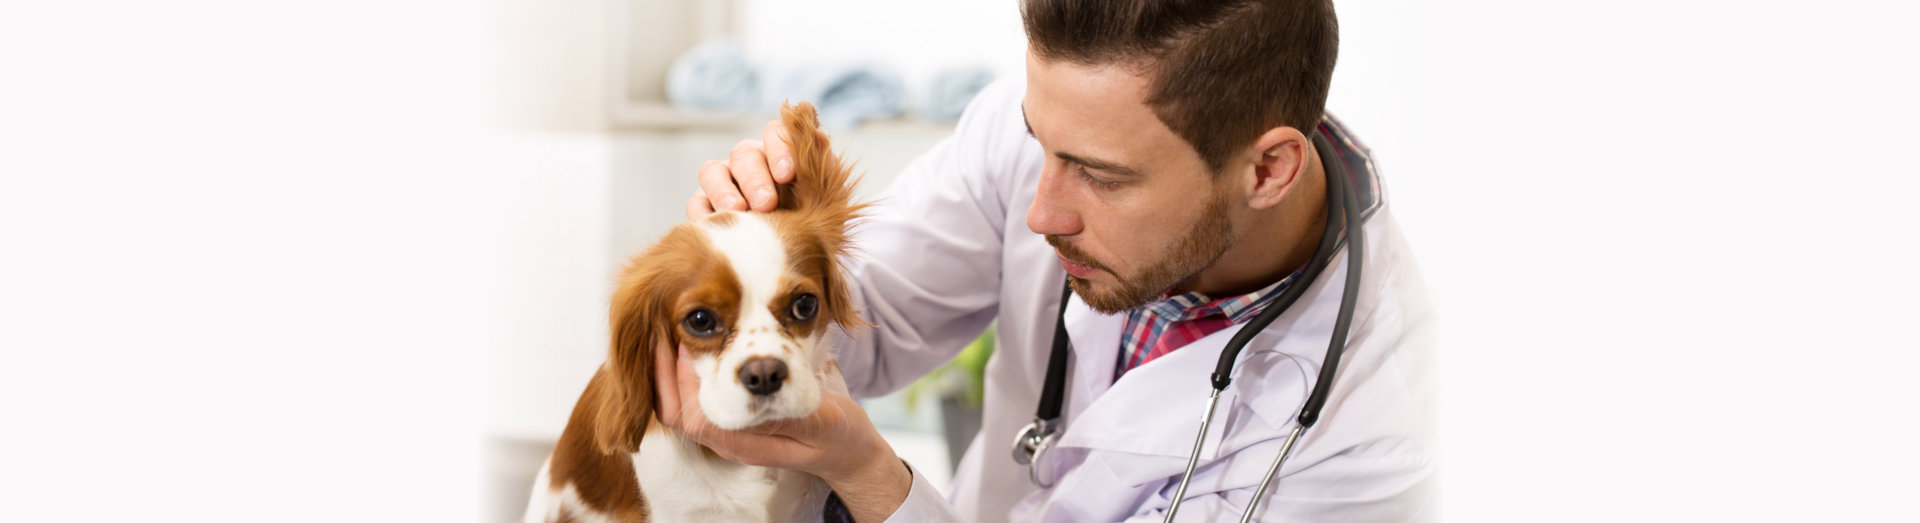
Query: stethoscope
x=1031 y=444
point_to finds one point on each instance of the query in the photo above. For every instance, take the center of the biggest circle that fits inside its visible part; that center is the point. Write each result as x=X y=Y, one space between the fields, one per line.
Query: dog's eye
x=804 y=307
x=701 y=323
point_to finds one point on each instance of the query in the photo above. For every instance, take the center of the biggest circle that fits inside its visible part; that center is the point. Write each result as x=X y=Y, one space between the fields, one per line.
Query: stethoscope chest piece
x=1030 y=447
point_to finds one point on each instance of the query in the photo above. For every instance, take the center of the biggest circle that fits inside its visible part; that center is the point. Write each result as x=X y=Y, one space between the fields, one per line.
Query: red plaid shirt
x=1160 y=327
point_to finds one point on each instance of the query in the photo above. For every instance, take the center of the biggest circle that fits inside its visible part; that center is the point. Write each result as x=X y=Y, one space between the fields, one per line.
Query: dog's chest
x=681 y=484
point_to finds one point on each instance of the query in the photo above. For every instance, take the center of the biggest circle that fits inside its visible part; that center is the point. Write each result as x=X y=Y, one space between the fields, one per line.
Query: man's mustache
x=1073 y=254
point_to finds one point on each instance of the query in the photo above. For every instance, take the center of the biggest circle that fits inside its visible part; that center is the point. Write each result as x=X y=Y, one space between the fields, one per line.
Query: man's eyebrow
x=1103 y=165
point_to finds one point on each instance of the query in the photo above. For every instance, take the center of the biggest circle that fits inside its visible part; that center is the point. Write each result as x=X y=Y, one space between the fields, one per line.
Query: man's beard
x=1209 y=238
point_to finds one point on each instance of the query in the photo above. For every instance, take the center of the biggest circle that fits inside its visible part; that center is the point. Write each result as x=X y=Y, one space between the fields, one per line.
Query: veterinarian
x=1173 y=163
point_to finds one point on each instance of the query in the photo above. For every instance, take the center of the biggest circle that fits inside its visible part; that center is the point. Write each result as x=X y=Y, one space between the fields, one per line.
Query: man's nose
x=763 y=376
x=1050 y=212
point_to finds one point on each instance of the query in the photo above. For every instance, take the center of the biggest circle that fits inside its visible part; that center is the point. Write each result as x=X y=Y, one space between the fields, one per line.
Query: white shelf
x=661 y=116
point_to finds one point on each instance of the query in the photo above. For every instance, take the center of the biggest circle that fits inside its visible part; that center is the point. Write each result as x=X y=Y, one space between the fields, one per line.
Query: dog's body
x=751 y=297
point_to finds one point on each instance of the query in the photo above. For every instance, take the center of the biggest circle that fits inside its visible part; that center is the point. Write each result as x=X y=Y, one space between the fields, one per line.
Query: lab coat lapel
x=1156 y=409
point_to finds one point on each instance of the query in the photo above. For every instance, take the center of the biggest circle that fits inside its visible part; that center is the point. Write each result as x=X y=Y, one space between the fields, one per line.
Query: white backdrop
x=252 y=251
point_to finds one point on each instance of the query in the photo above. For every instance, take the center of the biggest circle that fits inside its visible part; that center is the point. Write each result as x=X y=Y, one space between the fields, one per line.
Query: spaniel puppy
x=752 y=297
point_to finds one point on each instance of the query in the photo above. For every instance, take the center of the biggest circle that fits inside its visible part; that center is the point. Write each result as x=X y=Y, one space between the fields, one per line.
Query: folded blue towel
x=713 y=76
x=950 y=90
x=844 y=94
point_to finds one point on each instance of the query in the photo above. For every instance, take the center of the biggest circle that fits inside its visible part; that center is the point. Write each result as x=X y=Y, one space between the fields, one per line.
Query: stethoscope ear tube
x=1342 y=202
x=1336 y=347
x=1323 y=255
x=1356 y=254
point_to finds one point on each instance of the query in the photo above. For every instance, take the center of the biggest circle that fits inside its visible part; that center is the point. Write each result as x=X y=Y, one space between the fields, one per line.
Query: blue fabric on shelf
x=713 y=76
x=950 y=90
x=845 y=94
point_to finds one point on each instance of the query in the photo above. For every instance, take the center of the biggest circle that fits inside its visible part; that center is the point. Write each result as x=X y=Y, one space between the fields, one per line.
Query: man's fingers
x=779 y=154
x=748 y=160
x=833 y=413
x=756 y=449
x=748 y=178
x=689 y=382
x=716 y=179
x=666 y=384
x=699 y=206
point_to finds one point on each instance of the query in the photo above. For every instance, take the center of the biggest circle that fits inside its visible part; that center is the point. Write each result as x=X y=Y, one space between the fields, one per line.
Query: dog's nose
x=763 y=376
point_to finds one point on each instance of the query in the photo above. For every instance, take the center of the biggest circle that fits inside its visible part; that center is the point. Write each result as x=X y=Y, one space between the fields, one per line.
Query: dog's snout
x=763 y=376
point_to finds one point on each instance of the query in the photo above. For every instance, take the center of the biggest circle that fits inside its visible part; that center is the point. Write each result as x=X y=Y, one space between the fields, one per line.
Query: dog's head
x=750 y=295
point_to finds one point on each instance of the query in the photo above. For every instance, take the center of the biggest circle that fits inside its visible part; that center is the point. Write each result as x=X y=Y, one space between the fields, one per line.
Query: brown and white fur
x=731 y=288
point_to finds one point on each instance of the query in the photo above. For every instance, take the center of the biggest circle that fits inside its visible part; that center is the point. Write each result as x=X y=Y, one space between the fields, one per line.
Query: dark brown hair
x=1223 y=71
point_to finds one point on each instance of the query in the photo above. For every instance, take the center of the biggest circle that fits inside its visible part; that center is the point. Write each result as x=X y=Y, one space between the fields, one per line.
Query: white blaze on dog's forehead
x=758 y=257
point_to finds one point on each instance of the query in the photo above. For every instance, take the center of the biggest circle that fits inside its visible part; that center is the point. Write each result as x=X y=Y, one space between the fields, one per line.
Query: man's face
x=1127 y=204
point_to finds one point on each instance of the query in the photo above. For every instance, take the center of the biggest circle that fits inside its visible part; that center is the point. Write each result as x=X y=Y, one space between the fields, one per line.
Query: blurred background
x=350 y=261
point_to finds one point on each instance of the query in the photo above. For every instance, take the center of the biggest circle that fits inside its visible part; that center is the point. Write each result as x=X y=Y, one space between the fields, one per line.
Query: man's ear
x=625 y=405
x=1280 y=159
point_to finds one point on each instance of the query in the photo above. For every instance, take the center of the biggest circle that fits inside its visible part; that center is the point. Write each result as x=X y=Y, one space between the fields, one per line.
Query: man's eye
x=701 y=323
x=1081 y=171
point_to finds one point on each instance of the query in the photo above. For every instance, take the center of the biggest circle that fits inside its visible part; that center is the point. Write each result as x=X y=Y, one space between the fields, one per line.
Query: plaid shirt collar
x=1238 y=309
x=1148 y=324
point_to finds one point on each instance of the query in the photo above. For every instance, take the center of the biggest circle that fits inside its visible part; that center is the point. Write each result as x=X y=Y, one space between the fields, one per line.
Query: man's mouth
x=1068 y=254
x=1077 y=269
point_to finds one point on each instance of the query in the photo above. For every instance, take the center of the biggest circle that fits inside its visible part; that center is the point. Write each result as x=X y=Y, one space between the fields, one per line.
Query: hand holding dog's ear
x=746 y=179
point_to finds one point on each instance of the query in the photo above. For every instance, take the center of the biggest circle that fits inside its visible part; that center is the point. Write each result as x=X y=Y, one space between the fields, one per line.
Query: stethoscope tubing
x=1342 y=189
x=1336 y=348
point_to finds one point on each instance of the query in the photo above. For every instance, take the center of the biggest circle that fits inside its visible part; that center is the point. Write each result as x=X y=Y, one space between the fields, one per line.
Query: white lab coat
x=947 y=250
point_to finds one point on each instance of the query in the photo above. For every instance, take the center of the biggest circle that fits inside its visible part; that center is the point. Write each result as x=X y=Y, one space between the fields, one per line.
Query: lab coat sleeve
x=924 y=504
x=926 y=267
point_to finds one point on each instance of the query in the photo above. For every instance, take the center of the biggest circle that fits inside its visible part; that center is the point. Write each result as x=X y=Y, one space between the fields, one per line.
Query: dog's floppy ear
x=821 y=198
x=625 y=405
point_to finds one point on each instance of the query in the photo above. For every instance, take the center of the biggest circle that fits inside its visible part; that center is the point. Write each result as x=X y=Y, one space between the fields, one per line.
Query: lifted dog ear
x=625 y=405
x=823 y=182
x=822 y=197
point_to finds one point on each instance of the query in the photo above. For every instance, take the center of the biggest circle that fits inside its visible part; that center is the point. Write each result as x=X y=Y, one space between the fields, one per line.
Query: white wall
x=1672 y=241
x=548 y=63
x=247 y=264
x=920 y=38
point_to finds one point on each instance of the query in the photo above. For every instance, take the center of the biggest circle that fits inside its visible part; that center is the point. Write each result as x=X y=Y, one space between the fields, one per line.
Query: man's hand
x=836 y=442
x=745 y=180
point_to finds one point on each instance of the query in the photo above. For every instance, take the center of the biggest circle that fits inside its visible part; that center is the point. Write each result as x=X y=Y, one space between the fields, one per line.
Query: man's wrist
x=876 y=489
